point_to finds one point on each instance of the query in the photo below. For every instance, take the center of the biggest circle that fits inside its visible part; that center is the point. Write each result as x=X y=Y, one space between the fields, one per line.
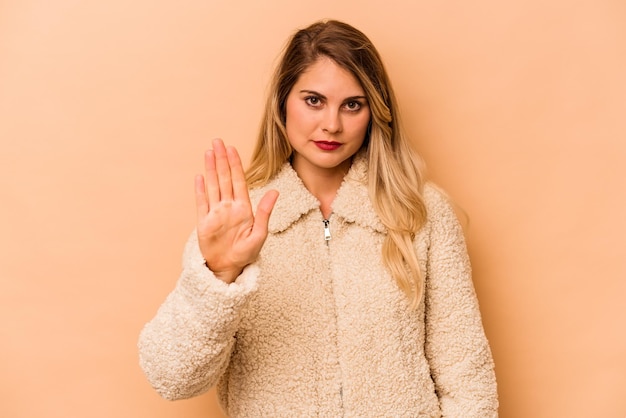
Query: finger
x=223 y=170
x=212 y=185
x=202 y=204
x=263 y=212
x=240 y=187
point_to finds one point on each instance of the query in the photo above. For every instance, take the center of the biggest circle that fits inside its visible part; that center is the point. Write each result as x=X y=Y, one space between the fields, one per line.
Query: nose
x=331 y=122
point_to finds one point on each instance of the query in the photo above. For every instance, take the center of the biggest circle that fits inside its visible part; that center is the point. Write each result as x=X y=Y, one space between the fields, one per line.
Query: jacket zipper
x=327 y=238
x=327 y=231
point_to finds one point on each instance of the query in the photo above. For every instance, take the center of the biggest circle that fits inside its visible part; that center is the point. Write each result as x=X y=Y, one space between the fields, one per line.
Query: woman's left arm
x=456 y=346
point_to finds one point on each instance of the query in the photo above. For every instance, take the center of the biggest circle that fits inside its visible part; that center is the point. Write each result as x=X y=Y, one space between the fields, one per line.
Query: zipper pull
x=326 y=230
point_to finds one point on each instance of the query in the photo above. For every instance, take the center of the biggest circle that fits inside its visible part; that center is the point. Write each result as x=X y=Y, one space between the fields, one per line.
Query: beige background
x=518 y=107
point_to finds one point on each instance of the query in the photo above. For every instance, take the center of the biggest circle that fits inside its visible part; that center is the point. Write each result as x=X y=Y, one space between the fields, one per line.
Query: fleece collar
x=352 y=202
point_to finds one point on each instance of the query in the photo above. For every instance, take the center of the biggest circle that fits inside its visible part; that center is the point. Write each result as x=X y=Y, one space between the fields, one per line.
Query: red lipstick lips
x=327 y=145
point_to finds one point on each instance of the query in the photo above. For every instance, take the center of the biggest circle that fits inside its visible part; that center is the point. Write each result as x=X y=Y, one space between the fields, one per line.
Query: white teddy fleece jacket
x=318 y=328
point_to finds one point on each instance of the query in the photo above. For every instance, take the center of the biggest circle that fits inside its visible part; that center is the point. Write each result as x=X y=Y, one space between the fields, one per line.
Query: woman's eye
x=312 y=101
x=353 y=106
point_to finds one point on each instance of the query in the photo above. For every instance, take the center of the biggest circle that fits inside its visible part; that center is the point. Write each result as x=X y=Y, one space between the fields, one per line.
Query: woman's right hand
x=229 y=234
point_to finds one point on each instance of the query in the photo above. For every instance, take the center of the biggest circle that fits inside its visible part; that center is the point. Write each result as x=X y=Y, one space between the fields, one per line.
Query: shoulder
x=436 y=200
x=441 y=216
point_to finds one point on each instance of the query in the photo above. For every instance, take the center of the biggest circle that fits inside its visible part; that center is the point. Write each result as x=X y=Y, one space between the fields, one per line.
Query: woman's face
x=327 y=115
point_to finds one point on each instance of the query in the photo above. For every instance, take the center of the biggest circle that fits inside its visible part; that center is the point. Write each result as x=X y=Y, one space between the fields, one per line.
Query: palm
x=229 y=235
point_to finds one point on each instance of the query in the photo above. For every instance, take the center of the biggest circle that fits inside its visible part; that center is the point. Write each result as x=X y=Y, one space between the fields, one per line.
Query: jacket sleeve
x=186 y=347
x=456 y=346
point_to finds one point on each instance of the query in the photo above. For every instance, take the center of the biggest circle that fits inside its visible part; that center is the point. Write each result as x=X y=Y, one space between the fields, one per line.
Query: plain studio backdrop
x=518 y=107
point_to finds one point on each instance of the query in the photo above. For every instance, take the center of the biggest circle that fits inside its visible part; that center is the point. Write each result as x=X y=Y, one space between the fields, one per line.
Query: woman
x=348 y=295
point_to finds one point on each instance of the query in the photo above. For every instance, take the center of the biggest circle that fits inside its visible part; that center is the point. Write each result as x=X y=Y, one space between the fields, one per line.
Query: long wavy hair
x=395 y=171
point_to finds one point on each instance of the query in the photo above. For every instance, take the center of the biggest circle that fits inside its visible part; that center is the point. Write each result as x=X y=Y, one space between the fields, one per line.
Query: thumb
x=263 y=212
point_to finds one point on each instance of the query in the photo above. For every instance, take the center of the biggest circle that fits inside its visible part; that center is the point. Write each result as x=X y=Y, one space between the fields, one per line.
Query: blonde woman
x=329 y=280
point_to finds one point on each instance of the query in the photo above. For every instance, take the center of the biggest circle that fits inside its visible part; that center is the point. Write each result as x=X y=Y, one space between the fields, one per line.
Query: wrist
x=227 y=276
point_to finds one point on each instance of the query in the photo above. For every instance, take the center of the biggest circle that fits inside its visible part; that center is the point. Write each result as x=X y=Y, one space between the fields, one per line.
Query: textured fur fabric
x=320 y=329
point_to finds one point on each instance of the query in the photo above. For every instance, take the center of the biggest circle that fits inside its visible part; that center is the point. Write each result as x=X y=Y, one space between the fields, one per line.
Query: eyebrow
x=325 y=98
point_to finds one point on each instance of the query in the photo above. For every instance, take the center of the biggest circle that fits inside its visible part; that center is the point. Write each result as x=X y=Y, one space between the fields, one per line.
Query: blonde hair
x=395 y=171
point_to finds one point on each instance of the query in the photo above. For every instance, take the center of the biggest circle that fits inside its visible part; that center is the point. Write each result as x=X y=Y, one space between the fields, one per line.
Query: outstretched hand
x=229 y=234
